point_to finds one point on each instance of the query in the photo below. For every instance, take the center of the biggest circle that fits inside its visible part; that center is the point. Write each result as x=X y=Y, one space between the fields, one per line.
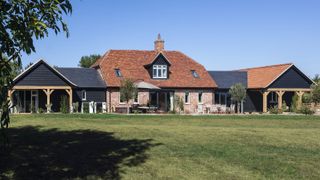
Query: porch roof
x=145 y=85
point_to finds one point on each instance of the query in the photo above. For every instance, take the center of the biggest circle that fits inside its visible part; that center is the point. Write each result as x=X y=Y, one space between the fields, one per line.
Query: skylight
x=194 y=74
x=118 y=72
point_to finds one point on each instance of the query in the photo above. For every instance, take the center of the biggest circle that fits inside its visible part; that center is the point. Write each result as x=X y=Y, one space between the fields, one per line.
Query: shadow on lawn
x=54 y=154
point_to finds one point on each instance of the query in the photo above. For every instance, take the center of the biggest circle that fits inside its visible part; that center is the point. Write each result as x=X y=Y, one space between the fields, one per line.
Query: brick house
x=163 y=73
x=160 y=76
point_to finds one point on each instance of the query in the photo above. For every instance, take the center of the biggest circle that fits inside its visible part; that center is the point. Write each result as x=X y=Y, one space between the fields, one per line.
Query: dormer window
x=194 y=74
x=159 y=71
x=118 y=72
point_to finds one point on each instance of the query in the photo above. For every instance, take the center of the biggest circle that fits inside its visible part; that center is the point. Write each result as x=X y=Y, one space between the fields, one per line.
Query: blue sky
x=220 y=34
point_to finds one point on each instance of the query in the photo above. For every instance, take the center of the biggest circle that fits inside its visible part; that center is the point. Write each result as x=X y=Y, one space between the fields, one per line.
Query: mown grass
x=163 y=147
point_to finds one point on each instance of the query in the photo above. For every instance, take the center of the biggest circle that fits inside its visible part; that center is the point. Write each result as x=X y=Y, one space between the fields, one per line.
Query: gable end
x=292 y=78
x=40 y=74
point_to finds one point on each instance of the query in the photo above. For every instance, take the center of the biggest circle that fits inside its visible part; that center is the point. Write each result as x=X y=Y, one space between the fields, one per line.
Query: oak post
x=265 y=101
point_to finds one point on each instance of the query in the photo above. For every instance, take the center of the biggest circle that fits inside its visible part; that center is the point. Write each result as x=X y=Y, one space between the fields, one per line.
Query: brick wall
x=191 y=107
x=113 y=98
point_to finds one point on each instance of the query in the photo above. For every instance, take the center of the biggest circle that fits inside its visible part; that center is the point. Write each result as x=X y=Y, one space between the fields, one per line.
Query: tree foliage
x=315 y=93
x=128 y=91
x=88 y=61
x=316 y=78
x=22 y=21
x=238 y=93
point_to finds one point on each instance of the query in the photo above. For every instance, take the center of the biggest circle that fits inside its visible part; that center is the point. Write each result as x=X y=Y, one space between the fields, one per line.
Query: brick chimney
x=159 y=44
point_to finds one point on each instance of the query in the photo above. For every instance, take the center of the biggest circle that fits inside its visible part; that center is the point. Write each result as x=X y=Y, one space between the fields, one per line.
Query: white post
x=104 y=107
x=171 y=101
x=91 y=110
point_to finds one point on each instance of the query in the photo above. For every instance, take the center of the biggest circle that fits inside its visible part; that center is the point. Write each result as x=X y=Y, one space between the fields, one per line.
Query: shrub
x=75 y=107
x=294 y=104
x=275 y=110
x=41 y=111
x=49 y=107
x=284 y=106
x=64 y=105
x=178 y=103
x=315 y=93
x=307 y=98
x=85 y=107
x=306 y=110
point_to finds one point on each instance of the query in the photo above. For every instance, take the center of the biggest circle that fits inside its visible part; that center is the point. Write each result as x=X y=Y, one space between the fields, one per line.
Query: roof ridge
x=260 y=67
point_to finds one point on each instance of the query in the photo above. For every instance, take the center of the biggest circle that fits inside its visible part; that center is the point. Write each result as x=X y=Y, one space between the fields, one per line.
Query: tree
x=22 y=21
x=128 y=91
x=88 y=61
x=315 y=93
x=238 y=94
x=316 y=78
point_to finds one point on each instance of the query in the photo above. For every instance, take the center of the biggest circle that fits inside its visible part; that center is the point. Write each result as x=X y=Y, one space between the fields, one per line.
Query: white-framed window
x=136 y=98
x=200 y=94
x=221 y=98
x=121 y=98
x=84 y=95
x=187 y=97
x=159 y=71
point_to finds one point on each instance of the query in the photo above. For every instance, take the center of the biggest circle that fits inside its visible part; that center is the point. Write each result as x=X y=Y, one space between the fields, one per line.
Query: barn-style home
x=160 y=75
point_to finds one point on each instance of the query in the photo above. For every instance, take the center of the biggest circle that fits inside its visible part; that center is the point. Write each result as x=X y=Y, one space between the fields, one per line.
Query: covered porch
x=276 y=95
x=29 y=99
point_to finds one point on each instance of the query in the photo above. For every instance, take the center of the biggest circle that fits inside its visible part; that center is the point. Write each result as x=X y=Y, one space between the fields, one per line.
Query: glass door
x=34 y=101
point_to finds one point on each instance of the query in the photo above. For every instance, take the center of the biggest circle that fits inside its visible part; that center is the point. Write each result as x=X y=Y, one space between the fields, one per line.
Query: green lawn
x=162 y=147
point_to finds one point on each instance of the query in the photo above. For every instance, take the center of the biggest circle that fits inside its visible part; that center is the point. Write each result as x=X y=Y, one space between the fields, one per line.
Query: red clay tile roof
x=262 y=77
x=132 y=65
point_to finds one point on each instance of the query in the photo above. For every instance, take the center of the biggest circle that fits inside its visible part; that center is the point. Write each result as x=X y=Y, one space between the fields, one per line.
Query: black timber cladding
x=40 y=74
x=83 y=77
x=96 y=95
x=225 y=79
x=292 y=78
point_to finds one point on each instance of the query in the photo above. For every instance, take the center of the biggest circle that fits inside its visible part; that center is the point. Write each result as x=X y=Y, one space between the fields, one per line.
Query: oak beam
x=265 y=101
x=300 y=94
x=40 y=87
x=290 y=89
x=48 y=93
x=280 y=94
x=69 y=91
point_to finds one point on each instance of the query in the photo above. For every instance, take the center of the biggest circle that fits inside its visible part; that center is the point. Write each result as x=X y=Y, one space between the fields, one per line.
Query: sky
x=219 y=34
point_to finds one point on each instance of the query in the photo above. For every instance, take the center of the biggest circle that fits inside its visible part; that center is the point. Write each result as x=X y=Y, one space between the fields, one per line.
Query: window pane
x=164 y=72
x=200 y=97
x=153 y=99
x=84 y=94
x=154 y=72
x=223 y=99
x=217 y=98
x=159 y=73
x=136 y=98
x=186 y=97
x=122 y=99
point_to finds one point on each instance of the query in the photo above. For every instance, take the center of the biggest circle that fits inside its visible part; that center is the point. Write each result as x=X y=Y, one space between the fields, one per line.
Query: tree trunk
x=238 y=107
x=128 y=108
x=242 y=107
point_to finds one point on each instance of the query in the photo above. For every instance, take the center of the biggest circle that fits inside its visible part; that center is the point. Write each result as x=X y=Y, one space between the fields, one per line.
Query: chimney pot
x=159 y=44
